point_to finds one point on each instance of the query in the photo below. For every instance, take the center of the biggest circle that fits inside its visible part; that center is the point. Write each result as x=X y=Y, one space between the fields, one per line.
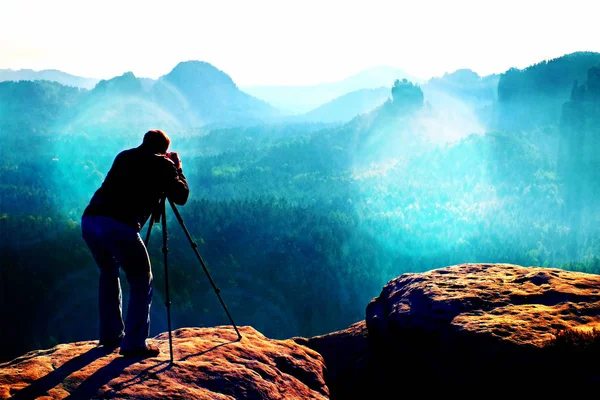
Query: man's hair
x=157 y=141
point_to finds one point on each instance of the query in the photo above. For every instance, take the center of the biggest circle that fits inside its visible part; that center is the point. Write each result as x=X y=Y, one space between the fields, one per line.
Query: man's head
x=156 y=141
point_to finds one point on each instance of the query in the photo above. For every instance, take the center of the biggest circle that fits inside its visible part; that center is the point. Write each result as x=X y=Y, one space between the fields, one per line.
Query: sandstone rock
x=347 y=355
x=509 y=304
x=468 y=329
x=209 y=364
x=473 y=324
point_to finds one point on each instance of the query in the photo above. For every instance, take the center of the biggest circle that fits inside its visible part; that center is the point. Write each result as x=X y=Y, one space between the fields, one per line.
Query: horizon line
x=383 y=65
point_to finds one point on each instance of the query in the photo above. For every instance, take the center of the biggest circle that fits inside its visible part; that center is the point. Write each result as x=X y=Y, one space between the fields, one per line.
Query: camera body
x=173 y=156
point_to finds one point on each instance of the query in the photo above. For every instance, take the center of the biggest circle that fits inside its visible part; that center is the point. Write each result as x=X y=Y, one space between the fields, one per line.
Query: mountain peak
x=124 y=84
x=198 y=74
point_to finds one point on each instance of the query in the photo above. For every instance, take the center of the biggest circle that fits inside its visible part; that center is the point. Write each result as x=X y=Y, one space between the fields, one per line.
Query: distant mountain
x=348 y=106
x=147 y=83
x=126 y=84
x=375 y=77
x=52 y=75
x=192 y=95
x=464 y=95
x=202 y=94
x=464 y=84
x=302 y=99
x=120 y=105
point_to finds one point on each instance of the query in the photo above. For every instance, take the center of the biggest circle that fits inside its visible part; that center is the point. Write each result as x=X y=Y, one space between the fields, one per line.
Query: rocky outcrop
x=208 y=364
x=406 y=96
x=480 y=324
x=468 y=329
x=347 y=354
x=504 y=305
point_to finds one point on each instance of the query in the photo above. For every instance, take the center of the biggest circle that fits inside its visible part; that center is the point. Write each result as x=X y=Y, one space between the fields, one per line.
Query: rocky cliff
x=465 y=329
x=209 y=363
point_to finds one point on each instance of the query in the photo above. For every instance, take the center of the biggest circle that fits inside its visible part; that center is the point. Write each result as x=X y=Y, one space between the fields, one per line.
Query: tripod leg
x=148 y=232
x=195 y=247
x=165 y=250
x=154 y=217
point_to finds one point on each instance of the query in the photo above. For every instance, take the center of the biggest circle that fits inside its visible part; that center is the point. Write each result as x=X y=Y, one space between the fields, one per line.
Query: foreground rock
x=476 y=324
x=470 y=329
x=347 y=355
x=209 y=364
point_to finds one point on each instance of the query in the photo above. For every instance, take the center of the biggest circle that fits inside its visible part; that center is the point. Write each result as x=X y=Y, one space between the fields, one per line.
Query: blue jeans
x=113 y=245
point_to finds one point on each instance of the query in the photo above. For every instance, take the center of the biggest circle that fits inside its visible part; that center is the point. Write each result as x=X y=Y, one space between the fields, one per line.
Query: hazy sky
x=291 y=42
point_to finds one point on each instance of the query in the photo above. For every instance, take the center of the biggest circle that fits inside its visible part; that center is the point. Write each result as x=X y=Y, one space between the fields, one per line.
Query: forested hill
x=47 y=75
x=465 y=83
x=347 y=106
x=300 y=223
x=465 y=95
x=28 y=109
x=579 y=158
x=534 y=96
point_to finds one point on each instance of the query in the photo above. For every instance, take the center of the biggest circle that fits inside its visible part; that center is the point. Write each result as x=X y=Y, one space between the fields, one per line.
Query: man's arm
x=177 y=187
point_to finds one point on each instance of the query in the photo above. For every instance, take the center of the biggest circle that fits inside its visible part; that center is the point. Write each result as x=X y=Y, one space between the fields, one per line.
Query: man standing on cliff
x=111 y=225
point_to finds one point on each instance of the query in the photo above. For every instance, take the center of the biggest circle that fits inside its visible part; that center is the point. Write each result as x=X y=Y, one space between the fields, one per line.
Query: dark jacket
x=134 y=185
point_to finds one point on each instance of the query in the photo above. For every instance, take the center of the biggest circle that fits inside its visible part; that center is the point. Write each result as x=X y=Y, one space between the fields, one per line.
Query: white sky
x=283 y=42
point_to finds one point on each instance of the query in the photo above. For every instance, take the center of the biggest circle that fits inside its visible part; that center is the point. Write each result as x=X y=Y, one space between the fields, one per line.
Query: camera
x=173 y=156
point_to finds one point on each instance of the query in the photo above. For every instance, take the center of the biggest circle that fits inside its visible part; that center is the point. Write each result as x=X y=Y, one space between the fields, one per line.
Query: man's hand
x=175 y=158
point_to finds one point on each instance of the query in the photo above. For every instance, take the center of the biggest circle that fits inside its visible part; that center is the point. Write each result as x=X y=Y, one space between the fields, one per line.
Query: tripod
x=159 y=214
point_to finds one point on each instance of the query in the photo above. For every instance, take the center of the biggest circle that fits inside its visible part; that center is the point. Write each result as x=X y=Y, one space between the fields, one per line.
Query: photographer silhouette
x=111 y=225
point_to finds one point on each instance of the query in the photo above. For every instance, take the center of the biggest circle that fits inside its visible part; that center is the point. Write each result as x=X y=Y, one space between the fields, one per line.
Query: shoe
x=149 y=351
x=112 y=343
